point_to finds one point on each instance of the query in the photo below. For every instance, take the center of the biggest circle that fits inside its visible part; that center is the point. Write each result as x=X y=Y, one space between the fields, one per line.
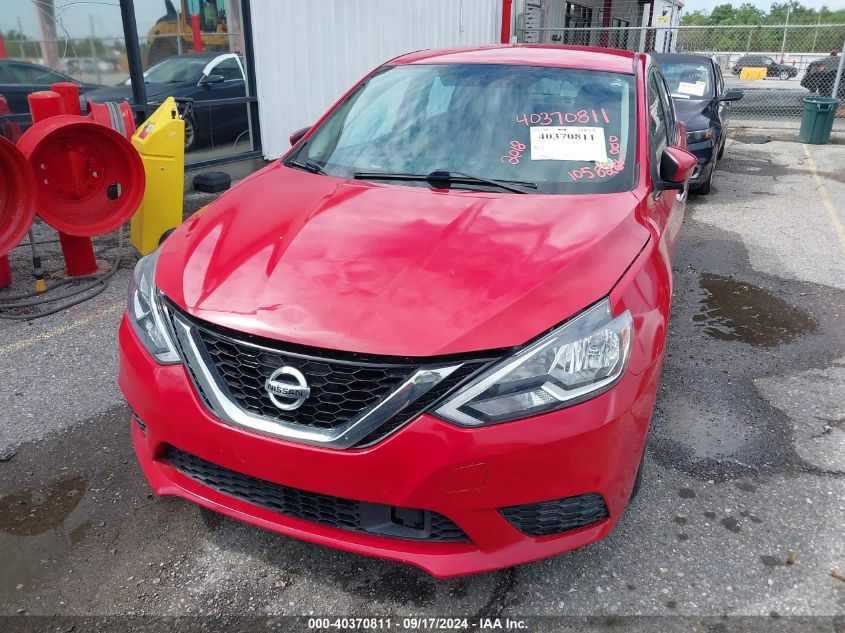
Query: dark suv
x=820 y=75
x=773 y=69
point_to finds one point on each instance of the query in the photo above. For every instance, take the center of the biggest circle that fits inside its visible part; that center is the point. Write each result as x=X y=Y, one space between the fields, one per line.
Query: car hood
x=396 y=270
x=696 y=114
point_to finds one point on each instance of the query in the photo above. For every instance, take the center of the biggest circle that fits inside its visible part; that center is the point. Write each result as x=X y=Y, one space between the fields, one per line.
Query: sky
x=77 y=15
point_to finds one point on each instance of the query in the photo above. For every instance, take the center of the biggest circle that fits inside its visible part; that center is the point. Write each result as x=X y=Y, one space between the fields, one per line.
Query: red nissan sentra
x=433 y=331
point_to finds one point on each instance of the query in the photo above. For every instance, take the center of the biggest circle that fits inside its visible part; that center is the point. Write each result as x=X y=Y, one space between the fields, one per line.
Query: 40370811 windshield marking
x=581 y=116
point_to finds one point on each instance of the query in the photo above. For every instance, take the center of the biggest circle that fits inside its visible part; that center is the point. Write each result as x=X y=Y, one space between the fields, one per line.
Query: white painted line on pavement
x=831 y=210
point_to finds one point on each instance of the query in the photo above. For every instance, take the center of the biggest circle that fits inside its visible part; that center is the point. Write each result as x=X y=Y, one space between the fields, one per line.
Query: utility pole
x=785 y=29
x=46 y=11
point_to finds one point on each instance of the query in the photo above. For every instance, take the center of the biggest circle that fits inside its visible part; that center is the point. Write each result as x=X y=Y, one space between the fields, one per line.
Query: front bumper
x=466 y=475
x=704 y=152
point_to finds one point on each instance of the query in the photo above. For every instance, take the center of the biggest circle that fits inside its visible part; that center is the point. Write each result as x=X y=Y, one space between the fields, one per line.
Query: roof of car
x=203 y=55
x=581 y=57
x=21 y=62
x=680 y=57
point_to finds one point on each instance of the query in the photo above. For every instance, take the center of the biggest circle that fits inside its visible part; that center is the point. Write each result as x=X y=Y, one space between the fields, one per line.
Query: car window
x=668 y=109
x=567 y=130
x=720 y=80
x=688 y=80
x=26 y=74
x=176 y=70
x=229 y=69
x=768 y=61
x=5 y=74
x=656 y=119
x=372 y=116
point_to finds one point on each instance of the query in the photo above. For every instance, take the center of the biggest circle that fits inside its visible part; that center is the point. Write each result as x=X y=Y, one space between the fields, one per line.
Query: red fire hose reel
x=87 y=177
x=17 y=203
x=90 y=179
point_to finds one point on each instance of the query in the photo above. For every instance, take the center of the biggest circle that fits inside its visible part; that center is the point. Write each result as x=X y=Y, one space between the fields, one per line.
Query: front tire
x=190 y=133
x=784 y=75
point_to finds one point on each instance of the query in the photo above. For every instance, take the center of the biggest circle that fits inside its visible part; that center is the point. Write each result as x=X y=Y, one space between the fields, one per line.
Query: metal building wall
x=309 y=52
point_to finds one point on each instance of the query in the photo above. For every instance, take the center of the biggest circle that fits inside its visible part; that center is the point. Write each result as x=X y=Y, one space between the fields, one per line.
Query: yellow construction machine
x=172 y=33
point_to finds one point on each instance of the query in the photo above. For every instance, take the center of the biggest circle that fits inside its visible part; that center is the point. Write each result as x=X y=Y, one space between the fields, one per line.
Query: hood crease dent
x=396 y=270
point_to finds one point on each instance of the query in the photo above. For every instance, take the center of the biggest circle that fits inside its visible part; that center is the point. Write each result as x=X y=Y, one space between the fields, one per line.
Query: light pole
x=785 y=28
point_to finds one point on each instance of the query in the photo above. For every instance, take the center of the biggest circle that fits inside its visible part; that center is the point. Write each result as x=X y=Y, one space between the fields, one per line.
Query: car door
x=666 y=207
x=14 y=92
x=225 y=120
x=771 y=67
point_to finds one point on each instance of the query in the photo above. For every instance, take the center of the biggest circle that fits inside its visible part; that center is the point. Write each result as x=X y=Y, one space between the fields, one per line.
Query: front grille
x=336 y=512
x=561 y=515
x=343 y=385
x=339 y=390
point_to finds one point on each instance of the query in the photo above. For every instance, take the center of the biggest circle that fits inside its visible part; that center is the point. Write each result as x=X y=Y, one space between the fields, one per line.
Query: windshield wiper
x=308 y=165
x=452 y=177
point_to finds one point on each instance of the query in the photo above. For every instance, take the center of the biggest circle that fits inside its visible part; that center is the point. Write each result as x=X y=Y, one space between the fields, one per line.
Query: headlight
x=577 y=361
x=145 y=314
x=699 y=135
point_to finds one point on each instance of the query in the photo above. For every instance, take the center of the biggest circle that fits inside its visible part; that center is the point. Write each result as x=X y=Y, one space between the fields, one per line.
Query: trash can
x=817 y=120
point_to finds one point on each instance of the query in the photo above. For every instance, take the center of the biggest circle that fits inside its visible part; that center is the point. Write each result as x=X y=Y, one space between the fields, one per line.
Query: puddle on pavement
x=736 y=311
x=36 y=510
x=37 y=527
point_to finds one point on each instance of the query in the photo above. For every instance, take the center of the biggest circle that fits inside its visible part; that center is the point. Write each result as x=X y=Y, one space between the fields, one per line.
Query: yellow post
x=160 y=141
x=753 y=73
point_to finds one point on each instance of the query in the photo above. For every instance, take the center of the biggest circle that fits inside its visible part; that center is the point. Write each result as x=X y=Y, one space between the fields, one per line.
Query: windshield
x=567 y=131
x=175 y=70
x=688 y=80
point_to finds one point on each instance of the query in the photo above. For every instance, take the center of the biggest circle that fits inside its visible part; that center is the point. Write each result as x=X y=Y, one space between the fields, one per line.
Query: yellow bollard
x=160 y=141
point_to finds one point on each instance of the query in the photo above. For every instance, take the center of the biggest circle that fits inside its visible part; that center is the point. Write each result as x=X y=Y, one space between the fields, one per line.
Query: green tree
x=760 y=39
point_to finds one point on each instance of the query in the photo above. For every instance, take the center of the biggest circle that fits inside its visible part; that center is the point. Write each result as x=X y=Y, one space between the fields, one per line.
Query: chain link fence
x=794 y=61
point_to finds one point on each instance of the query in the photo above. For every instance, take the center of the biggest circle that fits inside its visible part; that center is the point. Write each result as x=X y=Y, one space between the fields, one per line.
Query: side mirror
x=732 y=94
x=212 y=79
x=296 y=136
x=675 y=168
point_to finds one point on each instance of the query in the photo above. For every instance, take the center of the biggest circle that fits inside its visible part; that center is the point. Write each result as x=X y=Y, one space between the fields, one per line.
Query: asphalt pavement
x=740 y=520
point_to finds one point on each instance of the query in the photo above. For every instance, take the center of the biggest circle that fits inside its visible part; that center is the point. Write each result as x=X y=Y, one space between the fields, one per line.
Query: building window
x=577 y=19
x=619 y=36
